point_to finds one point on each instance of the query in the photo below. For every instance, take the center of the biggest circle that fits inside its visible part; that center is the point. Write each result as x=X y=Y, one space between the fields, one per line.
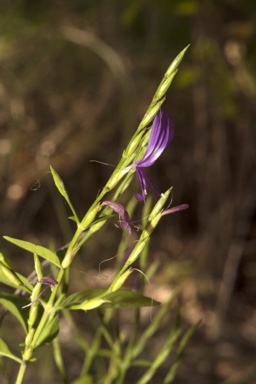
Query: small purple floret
x=124 y=219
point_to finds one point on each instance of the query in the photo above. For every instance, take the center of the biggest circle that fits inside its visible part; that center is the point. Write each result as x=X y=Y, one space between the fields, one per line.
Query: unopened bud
x=10 y=275
x=89 y=217
x=33 y=314
x=93 y=303
x=38 y=267
x=69 y=258
x=29 y=336
x=115 y=178
x=35 y=292
x=28 y=354
x=150 y=114
x=133 y=145
x=159 y=205
x=117 y=283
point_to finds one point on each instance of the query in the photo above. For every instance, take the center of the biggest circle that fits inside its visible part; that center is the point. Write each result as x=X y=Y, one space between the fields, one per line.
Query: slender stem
x=128 y=354
x=21 y=373
x=59 y=360
x=92 y=352
x=38 y=331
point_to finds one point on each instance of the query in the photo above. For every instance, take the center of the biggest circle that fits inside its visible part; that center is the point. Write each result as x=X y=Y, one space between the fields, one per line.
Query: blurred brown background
x=75 y=80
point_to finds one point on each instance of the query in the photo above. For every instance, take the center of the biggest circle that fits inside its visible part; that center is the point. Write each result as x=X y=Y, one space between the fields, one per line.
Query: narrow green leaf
x=61 y=188
x=154 y=325
x=73 y=218
x=119 y=299
x=38 y=249
x=172 y=372
x=14 y=303
x=5 y=351
x=5 y=279
x=161 y=356
x=8 y=277
x=129 y=299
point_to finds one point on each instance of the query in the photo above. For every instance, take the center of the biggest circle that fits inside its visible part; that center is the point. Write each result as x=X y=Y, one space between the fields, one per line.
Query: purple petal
x=161 y=135
x=175 y=209
x=48 y=281
x=142 y=179
x=124 y=219
x=140 y=174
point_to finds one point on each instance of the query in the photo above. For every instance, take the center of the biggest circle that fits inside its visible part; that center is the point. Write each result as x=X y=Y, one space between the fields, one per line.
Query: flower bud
x=159 y=205
x=36 y=291
x=115 y=178
x=38 y=267
x=133 y=145
x=150 y=114
x=29 y=336
x=11 y=276
x=33 y=315
x=28 y=353
x=89 y=217
x=93 y=303
x=69 y=258
x=117 y=283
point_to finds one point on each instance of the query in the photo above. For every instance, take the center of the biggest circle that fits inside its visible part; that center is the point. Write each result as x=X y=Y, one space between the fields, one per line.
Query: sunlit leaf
x=14 y=303
x=4 y=279
x=38 y=249
x=4 y=351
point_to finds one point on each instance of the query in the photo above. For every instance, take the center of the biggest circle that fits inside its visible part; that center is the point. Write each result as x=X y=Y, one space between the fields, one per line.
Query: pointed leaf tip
x=38 y=249
x=5 y=351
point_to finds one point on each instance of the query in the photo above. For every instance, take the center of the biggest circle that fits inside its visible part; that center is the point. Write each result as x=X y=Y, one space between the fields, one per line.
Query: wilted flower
x=49 y=282
x=175 y=209
x=124 y=219
x=161 y=135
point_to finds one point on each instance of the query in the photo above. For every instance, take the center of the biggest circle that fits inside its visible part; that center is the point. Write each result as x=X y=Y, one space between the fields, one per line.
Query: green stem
x=91 y=353
x=21 y=373
x=42 y=323
x=47 y=311
x=59 y=360
x=126 y=363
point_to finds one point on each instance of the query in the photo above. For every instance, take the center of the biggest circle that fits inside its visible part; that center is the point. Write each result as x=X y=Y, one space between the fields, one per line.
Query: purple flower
x=161 y=135
x=124 y=219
